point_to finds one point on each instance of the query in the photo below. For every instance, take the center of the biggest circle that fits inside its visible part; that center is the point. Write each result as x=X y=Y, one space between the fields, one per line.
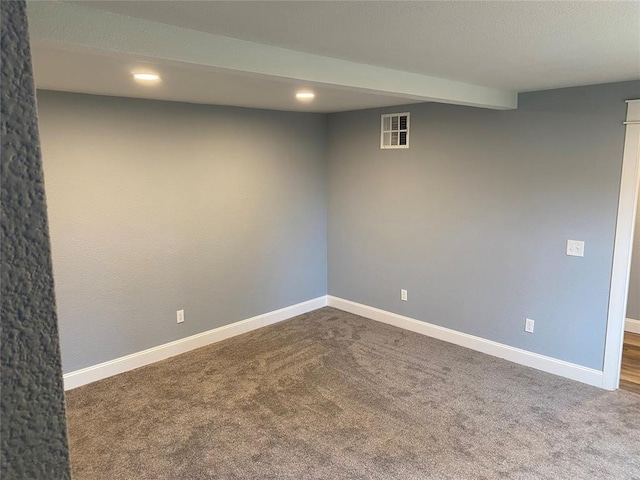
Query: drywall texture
x=633 y=301
x=33 y=429
x=473 y=219
x=160 y=206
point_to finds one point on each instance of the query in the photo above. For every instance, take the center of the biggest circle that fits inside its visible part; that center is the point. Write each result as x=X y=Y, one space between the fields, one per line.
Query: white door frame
x=629 y=185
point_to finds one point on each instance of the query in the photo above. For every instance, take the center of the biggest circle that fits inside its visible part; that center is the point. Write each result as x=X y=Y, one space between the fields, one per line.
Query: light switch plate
x=575 y=248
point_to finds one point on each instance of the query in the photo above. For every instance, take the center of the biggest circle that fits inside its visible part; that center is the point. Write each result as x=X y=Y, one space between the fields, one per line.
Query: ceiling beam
x=77 y=26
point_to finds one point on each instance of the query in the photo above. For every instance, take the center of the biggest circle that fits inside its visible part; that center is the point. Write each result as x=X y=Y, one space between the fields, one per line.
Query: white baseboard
x=523 y=357
x=632 y=325
x=161 y=352
x=516 y=355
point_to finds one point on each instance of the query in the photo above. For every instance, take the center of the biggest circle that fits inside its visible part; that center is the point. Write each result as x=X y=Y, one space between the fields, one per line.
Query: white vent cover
x=394 y=131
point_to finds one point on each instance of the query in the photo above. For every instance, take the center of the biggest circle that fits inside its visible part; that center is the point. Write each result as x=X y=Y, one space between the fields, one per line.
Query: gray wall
x=473 y=219
x=160 y=206
x=633 y=304
x=33 y=432
x=157 y=206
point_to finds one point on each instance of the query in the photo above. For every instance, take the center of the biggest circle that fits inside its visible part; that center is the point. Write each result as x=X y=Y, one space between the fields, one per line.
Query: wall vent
x=394 y=130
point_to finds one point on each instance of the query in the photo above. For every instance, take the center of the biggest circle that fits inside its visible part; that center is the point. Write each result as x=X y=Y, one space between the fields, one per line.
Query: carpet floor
x=330 y=395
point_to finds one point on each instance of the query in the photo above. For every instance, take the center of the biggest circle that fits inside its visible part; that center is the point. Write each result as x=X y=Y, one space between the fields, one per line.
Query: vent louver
x=394 y=130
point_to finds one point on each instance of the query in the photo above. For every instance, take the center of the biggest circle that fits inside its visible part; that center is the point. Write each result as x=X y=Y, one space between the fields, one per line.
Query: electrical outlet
x=180 y=316
x=575 y=248
x=529 y=325
x=403 y=295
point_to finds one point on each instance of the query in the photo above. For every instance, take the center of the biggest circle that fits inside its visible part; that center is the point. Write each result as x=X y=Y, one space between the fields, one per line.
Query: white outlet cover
x=529 y=325
x=180 y=316
x=575 y=248
x=403 y=295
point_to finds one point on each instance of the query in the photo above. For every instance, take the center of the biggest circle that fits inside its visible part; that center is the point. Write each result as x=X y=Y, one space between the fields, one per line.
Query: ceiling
x=103 y=74
x=352 y=54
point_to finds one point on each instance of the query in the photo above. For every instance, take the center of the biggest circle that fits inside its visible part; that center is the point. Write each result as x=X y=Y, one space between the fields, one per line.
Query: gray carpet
x=330 y=395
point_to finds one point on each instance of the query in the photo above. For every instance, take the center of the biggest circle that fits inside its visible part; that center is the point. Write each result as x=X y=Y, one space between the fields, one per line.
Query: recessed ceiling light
x=148 y=77
x=305 y=96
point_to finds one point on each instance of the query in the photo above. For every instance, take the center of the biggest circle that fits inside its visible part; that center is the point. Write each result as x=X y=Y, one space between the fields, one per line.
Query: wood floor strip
x=630 y=370
x=630 y=386
x=632 y=339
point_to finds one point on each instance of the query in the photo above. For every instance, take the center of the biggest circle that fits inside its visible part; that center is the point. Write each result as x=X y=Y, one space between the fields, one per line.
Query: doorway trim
x=623 y=245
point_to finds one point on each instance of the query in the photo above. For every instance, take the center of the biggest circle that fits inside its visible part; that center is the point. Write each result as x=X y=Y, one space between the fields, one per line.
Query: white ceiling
x=103 y=74
x=355 y=54
x=520 y=46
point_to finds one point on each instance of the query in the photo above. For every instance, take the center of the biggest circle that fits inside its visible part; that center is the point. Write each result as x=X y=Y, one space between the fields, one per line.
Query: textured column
x=32 y=429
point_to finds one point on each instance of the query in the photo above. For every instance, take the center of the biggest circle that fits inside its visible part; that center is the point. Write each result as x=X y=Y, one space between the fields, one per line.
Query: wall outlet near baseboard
x=403 y=295
x=529 y=324
x=180 y=316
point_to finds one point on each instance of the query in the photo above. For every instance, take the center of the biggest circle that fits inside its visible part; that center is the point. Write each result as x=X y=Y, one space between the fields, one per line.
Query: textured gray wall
x=473 y=219
x=32 y=425
x=159 y=206
x=633 y=304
